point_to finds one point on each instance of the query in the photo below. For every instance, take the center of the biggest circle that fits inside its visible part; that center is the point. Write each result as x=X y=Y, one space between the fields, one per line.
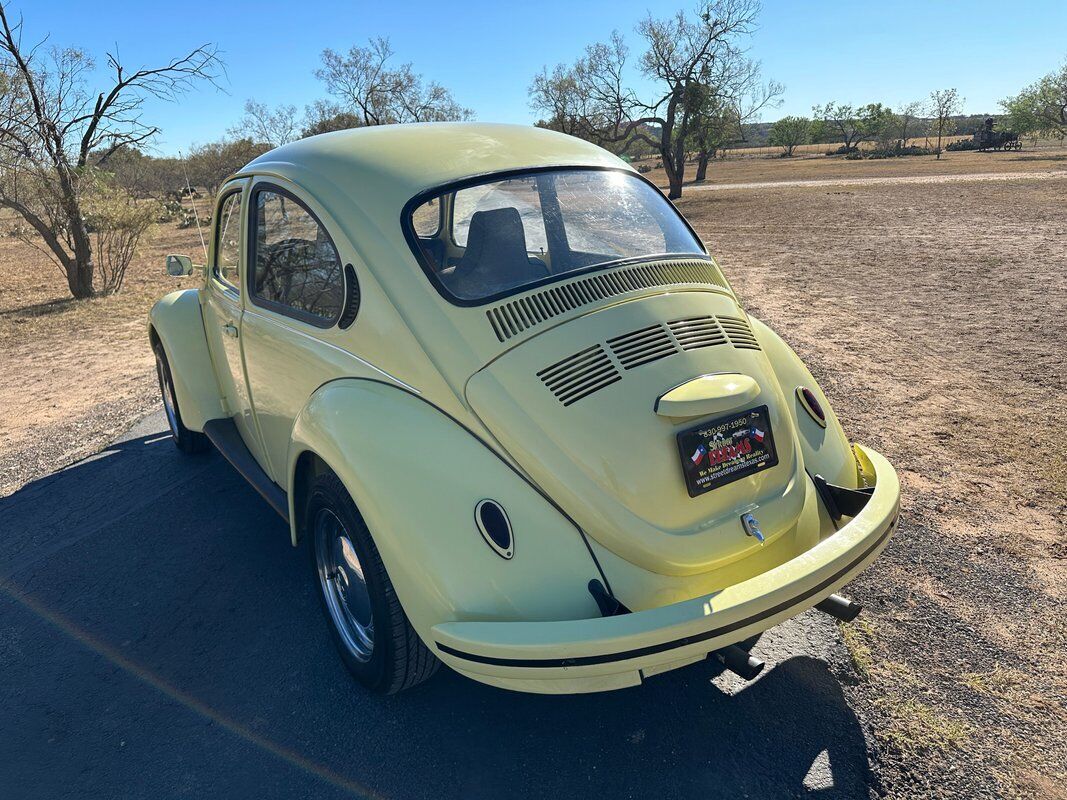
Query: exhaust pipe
x=840 y=608
x=739 y=662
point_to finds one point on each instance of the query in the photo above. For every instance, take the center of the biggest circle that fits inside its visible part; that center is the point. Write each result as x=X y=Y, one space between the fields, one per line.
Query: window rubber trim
x=215 y=242
x=427 y=267
x=273 y=305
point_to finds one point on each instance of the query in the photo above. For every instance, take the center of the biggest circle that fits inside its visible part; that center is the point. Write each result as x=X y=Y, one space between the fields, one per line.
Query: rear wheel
x=369 y=627
x=186 y=440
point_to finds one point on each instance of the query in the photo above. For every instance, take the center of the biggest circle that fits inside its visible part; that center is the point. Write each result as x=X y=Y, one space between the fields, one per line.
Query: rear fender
x=826 y=451
x=416 y=475
x=177 y=322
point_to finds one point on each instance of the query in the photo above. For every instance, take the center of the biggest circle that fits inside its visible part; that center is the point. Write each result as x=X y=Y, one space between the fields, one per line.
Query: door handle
x=230 y=330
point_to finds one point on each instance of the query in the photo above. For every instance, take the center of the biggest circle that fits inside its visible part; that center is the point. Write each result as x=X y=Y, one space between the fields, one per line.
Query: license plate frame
x=725 y=449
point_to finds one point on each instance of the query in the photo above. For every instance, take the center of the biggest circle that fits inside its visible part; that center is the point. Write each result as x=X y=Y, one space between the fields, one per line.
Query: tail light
x=811 y=404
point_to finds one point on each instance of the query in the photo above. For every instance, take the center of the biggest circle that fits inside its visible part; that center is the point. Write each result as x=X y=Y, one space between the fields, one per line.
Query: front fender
x=178 y=322
x=415 y=475
x=826 y=451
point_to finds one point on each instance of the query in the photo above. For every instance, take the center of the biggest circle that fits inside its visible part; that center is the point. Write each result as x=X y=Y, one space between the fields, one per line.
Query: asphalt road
x=160 y=638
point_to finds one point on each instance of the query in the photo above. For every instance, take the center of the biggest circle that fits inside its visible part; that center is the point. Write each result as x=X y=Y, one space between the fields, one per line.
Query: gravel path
x=897 y=179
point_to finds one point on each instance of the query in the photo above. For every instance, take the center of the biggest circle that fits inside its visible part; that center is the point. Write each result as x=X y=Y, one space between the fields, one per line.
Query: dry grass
x=74 y=374
x=915 y=728
x=999 y=681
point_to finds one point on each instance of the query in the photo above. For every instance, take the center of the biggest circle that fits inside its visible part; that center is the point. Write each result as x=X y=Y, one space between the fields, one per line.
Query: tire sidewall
x=327 y=492
x=186 y=440
x=166 y=385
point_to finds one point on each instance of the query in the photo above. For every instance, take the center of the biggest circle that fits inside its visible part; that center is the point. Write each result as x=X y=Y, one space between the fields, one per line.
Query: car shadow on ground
x=159 y=637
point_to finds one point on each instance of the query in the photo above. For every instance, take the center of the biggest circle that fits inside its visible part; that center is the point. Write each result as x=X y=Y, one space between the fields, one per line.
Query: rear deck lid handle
x=708 y=394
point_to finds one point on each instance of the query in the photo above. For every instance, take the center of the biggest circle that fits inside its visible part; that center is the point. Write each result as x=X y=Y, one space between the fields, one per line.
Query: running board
x=227 y=439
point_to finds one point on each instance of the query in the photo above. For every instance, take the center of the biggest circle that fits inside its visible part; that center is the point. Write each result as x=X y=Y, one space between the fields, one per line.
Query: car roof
x=393 y=163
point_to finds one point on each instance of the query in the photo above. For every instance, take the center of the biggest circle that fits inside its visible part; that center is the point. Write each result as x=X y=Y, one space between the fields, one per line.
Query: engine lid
x=592 y=410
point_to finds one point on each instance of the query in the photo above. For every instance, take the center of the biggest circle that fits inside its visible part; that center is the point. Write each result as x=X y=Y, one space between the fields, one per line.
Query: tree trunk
x=676 y=172
x=702 y=165
x=80 y=278
x=80 y=269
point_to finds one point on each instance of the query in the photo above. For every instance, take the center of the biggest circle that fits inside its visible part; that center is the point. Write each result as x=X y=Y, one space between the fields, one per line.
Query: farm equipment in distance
x=989 y=139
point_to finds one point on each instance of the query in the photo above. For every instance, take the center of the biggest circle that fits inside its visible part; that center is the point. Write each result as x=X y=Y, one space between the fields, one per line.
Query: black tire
x=397 y=658
x=189 y=442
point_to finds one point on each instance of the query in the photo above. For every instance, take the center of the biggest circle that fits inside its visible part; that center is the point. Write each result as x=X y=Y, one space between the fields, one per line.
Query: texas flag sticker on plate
x=723 y=450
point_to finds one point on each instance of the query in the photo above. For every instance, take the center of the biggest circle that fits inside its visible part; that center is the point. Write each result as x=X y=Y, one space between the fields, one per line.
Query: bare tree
x=364 y=83
x=51 y=127
x=839 y=120
x=908 y=115
x=323 y=116
x=263 y=125
x=944 y=104
x=721 y=113
x=693 y=62
x=558 y=96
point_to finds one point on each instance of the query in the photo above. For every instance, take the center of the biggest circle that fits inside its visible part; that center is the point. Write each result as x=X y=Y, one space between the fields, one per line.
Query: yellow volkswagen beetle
x=497 y=382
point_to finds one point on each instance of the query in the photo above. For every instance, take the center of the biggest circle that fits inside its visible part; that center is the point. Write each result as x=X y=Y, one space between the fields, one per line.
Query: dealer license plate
x=723 y=450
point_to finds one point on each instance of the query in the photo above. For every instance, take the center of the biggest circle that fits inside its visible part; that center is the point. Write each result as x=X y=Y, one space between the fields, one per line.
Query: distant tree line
x=1038 y=110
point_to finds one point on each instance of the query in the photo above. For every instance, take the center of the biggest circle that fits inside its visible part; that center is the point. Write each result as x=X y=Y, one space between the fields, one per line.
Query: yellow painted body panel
x=416 y=476
x=422 y=408
x=609 y=652
x=176 y=319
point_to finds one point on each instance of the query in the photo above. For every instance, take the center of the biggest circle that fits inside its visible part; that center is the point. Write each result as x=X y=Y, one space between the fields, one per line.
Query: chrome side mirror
x=179 y=265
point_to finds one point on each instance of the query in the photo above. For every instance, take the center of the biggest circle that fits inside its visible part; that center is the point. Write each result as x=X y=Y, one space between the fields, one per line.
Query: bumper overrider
x=613 y=652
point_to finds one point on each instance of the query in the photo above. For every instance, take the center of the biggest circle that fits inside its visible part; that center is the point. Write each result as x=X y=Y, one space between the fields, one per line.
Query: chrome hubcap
x=343 y=585
x=169 y=404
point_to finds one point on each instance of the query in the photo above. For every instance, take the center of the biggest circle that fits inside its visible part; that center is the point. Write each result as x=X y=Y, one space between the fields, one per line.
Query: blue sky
x=487 y=51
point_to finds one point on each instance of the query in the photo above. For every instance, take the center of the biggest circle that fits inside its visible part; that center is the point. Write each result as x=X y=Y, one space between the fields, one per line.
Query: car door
x=296 y=296
x=223 y=310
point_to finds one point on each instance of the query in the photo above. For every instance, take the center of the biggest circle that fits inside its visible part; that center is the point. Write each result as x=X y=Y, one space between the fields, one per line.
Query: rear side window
x=295 y=266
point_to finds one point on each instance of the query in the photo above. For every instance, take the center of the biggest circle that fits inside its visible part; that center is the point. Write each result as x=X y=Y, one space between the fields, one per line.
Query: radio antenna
x=192 y=201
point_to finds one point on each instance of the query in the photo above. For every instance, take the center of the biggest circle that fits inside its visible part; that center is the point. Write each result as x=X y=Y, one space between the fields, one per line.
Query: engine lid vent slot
x=513 y=317
x=642 y=346
x=696 y=332
x=740 y=334
x=580 y=375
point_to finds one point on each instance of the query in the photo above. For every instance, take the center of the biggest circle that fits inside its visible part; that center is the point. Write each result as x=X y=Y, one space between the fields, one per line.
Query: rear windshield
x=498 y=237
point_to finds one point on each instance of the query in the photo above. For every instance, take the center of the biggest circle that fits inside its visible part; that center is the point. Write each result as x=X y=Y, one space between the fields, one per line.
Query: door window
x=297 y=270
x=228 y=244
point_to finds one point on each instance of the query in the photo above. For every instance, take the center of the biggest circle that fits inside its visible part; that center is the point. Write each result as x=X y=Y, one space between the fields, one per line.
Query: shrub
x=892 y=152
x=117 y=222
x=962 y=144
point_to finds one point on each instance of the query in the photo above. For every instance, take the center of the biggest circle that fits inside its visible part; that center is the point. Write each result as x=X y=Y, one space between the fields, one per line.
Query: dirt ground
x=935 y=316
x=933 y=312
x=74 y=375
